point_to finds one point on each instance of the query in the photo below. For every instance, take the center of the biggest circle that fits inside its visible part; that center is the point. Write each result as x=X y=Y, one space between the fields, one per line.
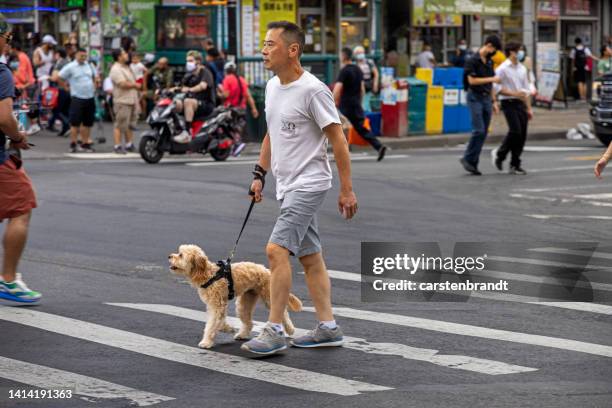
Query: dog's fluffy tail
x=295 y=304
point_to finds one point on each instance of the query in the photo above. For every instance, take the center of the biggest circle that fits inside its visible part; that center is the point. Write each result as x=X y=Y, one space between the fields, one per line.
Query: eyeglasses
x=8 y=37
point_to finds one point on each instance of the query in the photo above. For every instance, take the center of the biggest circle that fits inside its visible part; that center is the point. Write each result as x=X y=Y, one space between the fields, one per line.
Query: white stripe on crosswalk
x=505 y=297
x=468 y=363
x=548 y=280
x=542 y=262
x=473 y=331
x=587 y=254
x=211 y=360
x=48 y=378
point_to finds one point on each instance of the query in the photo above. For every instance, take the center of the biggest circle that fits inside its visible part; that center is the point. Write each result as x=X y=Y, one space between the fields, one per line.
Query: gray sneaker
x=268 y=342
x=321 y=336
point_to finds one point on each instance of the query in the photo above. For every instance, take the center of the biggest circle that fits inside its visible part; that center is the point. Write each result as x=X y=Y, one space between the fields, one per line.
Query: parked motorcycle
x=215 y=136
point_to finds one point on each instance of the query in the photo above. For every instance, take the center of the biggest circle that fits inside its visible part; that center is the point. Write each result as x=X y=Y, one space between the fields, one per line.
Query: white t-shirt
x=424 y=59
x=138 y=70
x=296 y=114
x=513 y=78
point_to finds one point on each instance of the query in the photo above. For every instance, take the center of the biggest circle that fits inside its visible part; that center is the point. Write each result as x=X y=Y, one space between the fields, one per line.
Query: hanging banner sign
x=275 y=10
x=548 y=10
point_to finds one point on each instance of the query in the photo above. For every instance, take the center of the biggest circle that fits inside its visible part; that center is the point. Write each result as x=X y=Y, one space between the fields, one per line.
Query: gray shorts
x=296 y=228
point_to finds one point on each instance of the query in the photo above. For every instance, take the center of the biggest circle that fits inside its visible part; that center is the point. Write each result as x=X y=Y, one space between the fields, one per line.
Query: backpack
x=49 y=97
x=580 y=58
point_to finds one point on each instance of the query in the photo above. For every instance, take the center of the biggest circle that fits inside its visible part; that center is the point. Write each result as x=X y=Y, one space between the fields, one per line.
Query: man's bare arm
x=8 y=124
x=347 y=201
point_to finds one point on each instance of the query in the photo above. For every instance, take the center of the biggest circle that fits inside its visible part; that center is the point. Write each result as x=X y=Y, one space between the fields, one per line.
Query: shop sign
x=275 y=10
x=482 y=7
x=548 y=9
x=578 y=7
x=420 y=18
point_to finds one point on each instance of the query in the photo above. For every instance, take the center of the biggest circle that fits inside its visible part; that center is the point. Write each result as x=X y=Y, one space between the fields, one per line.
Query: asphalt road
x=118 y=329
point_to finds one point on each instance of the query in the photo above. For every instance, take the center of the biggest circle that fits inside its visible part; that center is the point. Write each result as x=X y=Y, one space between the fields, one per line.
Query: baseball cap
x=229 y=65
x=48 y=39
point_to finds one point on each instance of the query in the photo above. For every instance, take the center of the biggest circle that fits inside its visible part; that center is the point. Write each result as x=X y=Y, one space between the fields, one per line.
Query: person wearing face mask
x=370 y=76
x=461 y=54
x=515 y=99
x=199 y=84
x=478 y=79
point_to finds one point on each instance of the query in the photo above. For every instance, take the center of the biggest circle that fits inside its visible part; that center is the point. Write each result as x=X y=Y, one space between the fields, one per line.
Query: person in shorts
x=82 y=79
x=125 y=101
x=302 y=118
x=17 y=198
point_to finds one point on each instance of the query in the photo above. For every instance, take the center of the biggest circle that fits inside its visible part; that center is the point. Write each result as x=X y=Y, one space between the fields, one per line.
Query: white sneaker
x=33 y=129
x=183 y=137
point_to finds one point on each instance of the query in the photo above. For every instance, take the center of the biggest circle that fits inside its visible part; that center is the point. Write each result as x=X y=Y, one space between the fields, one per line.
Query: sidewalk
x=547 y=124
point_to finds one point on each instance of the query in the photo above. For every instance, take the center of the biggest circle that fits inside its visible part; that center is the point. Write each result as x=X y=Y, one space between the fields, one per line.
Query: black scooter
x=214 y=137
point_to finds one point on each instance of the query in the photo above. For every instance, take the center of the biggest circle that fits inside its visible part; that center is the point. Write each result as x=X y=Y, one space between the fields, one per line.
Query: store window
x=547 y=32
x=331 y=27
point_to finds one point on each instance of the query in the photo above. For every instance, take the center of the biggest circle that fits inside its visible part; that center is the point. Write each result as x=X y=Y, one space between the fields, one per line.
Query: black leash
x=225 y=267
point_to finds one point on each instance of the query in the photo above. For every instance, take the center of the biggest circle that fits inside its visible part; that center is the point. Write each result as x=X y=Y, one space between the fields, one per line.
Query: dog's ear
x=199 y=267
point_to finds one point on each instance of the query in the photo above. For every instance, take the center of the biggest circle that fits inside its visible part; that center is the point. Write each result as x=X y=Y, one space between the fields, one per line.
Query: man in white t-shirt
x=302 y=118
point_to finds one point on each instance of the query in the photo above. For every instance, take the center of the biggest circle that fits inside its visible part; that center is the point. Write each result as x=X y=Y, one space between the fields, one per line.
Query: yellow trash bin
x=425 y=74
x=435 y=110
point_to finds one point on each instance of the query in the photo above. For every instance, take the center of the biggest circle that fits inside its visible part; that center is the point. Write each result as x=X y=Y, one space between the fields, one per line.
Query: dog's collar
x=224 y=272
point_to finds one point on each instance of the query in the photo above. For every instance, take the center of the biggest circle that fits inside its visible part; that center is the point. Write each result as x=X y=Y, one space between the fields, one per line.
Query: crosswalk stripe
x=460 y=362
x=473 y=331
x=225 y=363
x=505 y=297
x=48 y=378
x=542 y=262
x=548 y=280
x=588 y=254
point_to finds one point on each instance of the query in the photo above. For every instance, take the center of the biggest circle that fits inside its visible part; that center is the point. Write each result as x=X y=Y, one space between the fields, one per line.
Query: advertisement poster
x=275 y=10
x=483 y=7
x=547 y=55
x=183 y=28
x=134 y=18
x=547 y=86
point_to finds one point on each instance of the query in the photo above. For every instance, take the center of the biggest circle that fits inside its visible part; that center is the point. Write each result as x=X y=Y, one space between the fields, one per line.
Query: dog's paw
x=228 y=329
x=206 y=344
x=242 y=336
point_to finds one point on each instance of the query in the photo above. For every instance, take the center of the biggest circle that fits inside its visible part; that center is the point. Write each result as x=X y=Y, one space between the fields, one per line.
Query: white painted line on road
x=565 y=168
x=504 y=297
x=547 y=280
x=588 y=254
x=468 y=363
x=541 y=149
x=224 y=363
x=569 y=217
x=560 y=199
x=473 y=331
x=541 y=190
x=600 y=196
x=542 y=262
x=224 y=163
x=48 y=378
x=102 y=156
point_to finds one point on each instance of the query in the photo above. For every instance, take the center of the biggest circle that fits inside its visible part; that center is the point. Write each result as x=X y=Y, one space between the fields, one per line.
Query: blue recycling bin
x=375 y=119
x=448 y=77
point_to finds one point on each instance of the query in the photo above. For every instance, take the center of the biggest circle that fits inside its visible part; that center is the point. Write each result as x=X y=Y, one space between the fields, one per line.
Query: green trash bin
x=257 y=128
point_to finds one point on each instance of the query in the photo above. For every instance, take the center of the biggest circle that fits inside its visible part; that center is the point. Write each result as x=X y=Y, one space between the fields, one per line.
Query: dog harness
x=224 y=272
x=225 y=267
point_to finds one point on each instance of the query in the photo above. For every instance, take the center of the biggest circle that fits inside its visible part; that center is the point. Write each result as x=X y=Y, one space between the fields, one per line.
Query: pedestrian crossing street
x=224 y=361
